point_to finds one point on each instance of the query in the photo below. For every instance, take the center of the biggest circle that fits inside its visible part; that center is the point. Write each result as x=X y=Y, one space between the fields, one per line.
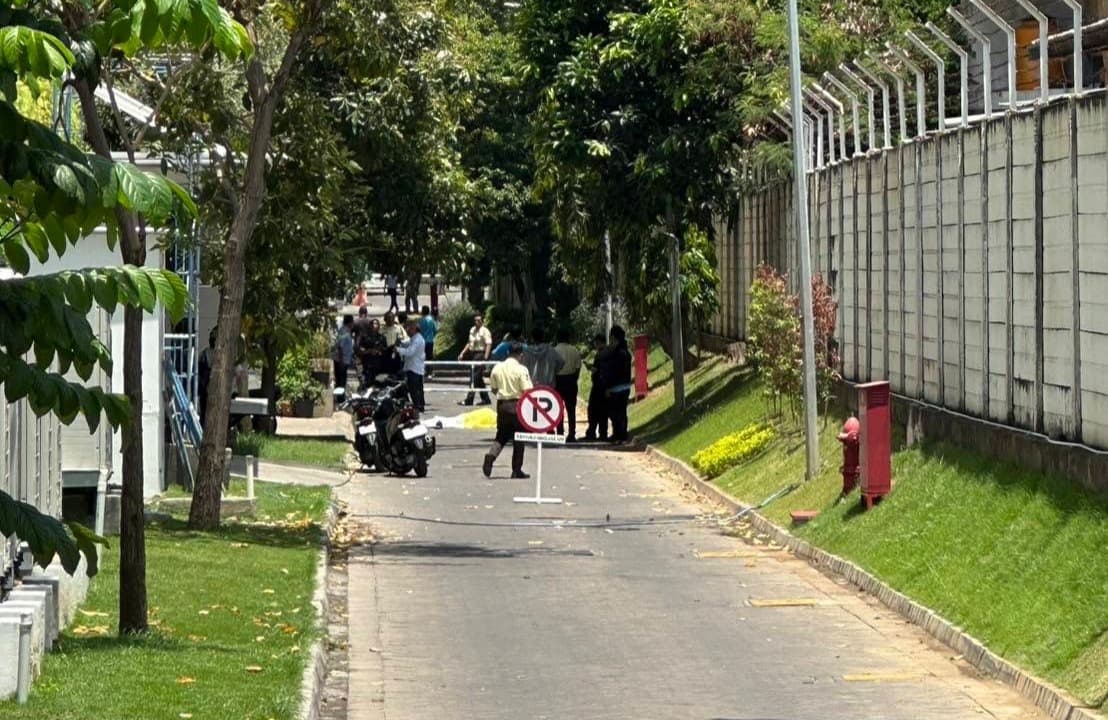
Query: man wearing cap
x=509 y=380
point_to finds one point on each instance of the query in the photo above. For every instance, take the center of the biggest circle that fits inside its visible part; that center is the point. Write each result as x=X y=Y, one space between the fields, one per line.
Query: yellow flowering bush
x=732 y=449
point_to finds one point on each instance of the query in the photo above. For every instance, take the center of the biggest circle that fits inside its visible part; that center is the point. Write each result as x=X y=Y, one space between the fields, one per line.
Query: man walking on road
x=413 y=355
x=509 y=380
x=428 y=328
x=565 y=382
x=478 y=348
x=391 y=287
x=598 y=402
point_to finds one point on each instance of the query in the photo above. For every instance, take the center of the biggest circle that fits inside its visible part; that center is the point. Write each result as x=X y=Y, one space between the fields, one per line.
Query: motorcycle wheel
x=365 y=453
x=420 y=466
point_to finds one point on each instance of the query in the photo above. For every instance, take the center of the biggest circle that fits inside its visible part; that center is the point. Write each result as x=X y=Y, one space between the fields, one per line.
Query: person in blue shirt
x=428 y=328
x=500 y=352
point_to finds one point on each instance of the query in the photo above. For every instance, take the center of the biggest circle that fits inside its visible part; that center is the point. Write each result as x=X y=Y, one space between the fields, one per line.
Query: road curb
x=1054 y=701
x=315 y=672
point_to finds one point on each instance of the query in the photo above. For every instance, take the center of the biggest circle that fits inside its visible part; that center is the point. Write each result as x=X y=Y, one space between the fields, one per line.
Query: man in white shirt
x=391 y=288
x=565 y=382
x=479 y=347
x=412 y=353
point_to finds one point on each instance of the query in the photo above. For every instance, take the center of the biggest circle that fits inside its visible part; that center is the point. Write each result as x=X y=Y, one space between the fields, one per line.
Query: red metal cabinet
x=642 y=365
x=875 y=413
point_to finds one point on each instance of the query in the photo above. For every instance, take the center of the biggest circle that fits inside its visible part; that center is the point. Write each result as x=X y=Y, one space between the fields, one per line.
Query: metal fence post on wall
x=1044 y=45
x=986 y=58
x=921 y=88
x=871 y=95
x=1078 y=47
x=1010 y=33
x=833 y=101
x=886 y=121
x=963 y=69
x=853 y=98
x=899 y=94
x=940 y=66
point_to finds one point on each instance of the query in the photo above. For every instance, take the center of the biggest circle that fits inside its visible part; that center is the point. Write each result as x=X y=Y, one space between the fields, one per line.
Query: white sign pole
x=538 y=439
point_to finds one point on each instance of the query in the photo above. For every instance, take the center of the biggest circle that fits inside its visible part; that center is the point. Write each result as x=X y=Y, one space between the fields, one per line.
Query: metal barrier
x=183 y=423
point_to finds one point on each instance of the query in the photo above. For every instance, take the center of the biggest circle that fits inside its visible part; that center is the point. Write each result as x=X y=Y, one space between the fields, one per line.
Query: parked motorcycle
x=388 y=433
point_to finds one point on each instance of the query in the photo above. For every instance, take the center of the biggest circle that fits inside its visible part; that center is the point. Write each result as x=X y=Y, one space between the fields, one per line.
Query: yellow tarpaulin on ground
x=482 y=419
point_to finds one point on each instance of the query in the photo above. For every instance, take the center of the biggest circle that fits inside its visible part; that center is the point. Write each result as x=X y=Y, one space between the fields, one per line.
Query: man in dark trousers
x=565 y=382
x=598 y=402
x=616 y=369
x=509 y=380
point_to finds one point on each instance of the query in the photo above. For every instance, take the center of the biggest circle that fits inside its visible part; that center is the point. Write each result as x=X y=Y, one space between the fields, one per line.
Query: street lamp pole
x=800 y=190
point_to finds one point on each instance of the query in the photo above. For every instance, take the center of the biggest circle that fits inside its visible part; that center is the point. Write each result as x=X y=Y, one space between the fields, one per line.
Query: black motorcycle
x=388 y=433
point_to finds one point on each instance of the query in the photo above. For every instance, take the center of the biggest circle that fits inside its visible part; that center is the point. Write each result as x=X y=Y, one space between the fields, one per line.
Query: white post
x=870 y=119
x=921 y=88
x=829 y=98
x=986 y=57
x=899 y=94
x=249 y=477
x=1010 y=32
x=963 y=68
x=800 y=203
x=940 y=64
x=886 y=120
x=853 y=98
x=1044 y=47
x=1078 y=47
x=23 y=672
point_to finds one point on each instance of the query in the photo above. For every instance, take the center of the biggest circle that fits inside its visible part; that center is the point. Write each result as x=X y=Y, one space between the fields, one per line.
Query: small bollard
x=249 y=477
x=23 y=672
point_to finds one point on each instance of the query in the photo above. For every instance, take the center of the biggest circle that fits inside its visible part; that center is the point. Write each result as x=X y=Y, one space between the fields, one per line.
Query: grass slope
x=1017 y=558
x=232 y=622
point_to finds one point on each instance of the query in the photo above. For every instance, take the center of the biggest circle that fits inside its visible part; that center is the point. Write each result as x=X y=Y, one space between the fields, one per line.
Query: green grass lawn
x=322 y=452
x=1015 y=557
x=232 y=624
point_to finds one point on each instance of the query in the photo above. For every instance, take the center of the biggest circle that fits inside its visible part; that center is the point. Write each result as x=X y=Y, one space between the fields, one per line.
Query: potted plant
x=298 y=387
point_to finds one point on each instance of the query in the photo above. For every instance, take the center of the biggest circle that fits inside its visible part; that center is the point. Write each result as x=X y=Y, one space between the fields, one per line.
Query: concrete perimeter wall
x=970 y=267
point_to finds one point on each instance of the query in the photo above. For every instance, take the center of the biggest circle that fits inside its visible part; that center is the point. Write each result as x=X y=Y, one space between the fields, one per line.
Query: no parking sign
x=540 y=409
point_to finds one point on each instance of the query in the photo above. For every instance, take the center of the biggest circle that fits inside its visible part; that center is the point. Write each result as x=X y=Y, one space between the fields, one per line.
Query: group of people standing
x=523 y=366
x=401 y=346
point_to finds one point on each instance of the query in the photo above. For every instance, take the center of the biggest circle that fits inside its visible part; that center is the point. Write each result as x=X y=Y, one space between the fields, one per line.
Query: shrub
x=774 y=334
x=730 y=450
x=454 y=328
x=294 y=375
x=824 y=308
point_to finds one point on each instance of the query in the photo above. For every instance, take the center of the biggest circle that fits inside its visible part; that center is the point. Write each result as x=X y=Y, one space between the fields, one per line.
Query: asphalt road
x=472 y=606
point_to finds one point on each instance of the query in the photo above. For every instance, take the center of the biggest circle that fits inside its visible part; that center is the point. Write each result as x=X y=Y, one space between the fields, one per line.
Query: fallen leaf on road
x=85 y=630
x=93 y=613
x=205 y=612
x=374 y=649
x=184 y=716
x=534 y=542
x=185 y=680
x=254 y=669
x=269 y=591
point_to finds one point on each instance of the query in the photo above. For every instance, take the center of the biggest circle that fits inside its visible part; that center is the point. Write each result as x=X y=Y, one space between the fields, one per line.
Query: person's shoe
x=486 y=467
x=520 y=475
x=463 y=403
x=588 y=438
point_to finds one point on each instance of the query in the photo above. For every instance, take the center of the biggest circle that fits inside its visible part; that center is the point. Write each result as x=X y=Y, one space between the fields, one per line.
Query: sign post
x=539 y=411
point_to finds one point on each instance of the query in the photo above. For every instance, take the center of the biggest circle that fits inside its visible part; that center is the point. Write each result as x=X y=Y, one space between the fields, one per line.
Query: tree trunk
x=132 y=526
x=269 y=384
x=207 y=495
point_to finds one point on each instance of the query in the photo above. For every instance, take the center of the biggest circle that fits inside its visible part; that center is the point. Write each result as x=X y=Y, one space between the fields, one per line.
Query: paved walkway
x=471 y=606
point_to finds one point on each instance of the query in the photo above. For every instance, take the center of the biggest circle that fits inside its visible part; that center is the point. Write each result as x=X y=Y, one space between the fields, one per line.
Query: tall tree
x=52 y=195
x=93 y=33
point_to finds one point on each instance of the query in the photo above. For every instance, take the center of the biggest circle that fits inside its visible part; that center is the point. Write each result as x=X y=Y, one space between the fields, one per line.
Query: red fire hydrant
x=849 y=438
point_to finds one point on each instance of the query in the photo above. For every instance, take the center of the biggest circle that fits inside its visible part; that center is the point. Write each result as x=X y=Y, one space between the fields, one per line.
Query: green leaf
x=87 y=541
x=105 y=291
x=143 y=287
x=171 y=292
x=34 y=237
x=77 y=293
x=17 y=256
x=45 y=535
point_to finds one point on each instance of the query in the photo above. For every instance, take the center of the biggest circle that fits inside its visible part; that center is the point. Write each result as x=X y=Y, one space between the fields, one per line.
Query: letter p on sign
x=540 y=409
